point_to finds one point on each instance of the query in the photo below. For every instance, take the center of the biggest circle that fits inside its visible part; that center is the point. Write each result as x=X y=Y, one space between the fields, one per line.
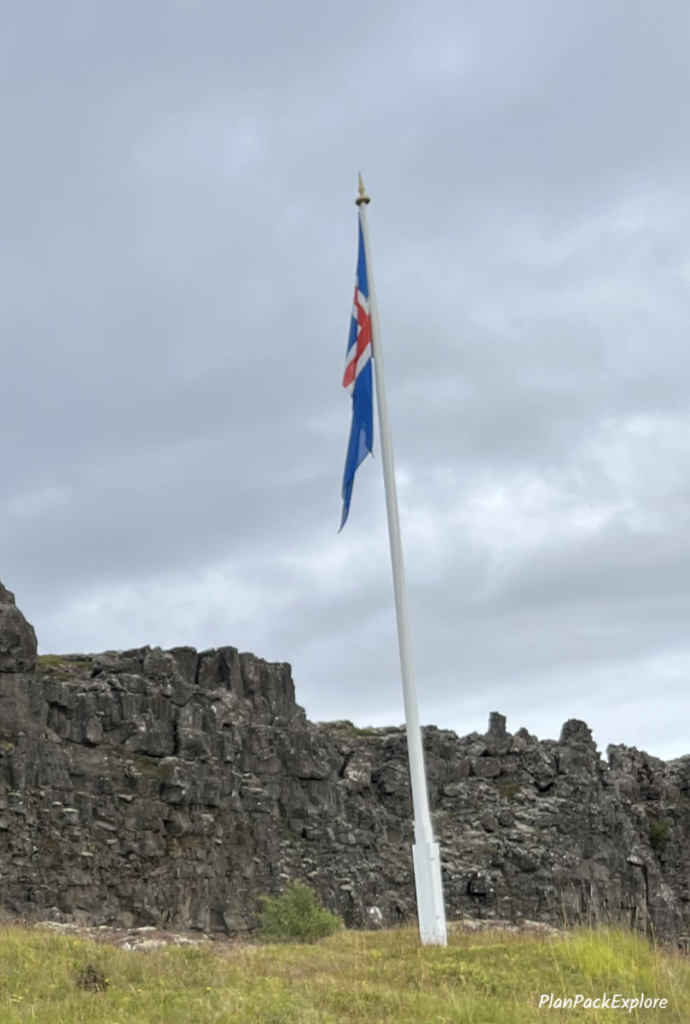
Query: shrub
x=658 y=833
x=90 y=979
x=296 y=916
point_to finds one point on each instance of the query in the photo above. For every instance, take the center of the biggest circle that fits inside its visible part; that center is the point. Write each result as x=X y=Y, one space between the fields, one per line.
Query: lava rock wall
x=173 y=788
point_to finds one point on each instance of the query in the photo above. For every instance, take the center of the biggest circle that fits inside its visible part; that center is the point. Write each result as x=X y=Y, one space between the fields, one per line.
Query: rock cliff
x=173 y=788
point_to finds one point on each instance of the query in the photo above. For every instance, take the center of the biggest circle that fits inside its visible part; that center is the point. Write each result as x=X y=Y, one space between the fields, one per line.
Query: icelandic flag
x=358 y=380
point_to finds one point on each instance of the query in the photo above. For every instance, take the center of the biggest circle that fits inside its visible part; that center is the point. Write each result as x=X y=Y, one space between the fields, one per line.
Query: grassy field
x=350 y=977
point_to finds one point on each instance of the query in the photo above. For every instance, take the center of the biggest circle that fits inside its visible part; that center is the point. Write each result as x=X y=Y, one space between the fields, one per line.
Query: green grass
x=350 y=729
x=348 y=978
x=364 y=730
x=49 y=663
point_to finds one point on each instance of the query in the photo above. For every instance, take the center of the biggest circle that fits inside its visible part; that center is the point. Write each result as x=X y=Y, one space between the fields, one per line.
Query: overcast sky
x=177 y=259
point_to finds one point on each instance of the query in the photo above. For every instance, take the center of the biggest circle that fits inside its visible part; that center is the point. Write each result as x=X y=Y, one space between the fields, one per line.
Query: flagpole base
x=430 y=910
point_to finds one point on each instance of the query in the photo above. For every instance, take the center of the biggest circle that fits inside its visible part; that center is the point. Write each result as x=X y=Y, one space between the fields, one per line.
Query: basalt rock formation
x=173 y=788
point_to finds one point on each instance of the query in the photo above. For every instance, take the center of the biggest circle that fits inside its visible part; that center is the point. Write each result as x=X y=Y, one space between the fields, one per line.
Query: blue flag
x=358 y=380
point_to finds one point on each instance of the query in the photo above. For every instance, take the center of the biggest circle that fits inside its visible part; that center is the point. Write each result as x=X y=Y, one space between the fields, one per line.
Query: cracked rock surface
x=171 y=789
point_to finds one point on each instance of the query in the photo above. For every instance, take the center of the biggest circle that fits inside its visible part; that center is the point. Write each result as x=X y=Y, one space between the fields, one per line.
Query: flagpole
x=425 y=851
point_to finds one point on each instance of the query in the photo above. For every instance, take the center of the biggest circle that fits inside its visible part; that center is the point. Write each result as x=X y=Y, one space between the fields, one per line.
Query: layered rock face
x=173 y=788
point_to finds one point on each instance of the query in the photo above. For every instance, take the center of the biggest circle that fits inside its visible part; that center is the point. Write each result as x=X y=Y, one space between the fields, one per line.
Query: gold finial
x=363 y=197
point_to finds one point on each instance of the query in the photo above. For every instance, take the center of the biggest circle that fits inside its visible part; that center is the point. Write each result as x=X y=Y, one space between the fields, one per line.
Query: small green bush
x=296 y=916
x=658 y=833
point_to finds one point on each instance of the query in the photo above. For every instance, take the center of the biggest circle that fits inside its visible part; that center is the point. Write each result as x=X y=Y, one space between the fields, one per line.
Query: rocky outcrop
x=17 y=637
x=173 y=788
x=21 y=705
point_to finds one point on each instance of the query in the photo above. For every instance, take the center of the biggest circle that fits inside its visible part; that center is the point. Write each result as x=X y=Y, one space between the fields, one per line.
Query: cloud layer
x=177 y=260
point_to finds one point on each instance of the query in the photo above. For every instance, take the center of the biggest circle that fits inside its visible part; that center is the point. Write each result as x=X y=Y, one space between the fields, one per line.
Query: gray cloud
x=177 y=260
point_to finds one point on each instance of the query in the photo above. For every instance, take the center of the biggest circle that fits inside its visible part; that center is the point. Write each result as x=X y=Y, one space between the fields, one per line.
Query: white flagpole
x=425 y=852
